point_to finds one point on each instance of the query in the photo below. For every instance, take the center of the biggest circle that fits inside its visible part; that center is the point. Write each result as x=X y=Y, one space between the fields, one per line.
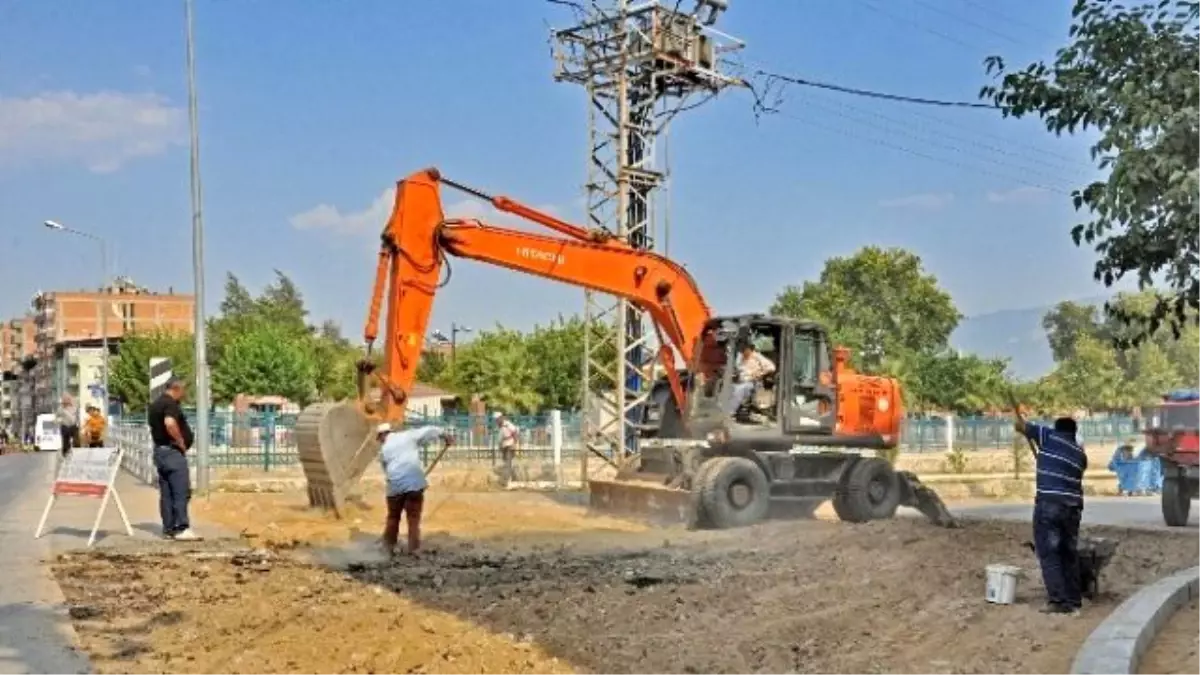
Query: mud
x=807 y=596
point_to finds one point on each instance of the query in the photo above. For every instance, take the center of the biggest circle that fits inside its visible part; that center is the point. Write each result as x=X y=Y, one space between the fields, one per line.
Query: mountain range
x=1016 y=334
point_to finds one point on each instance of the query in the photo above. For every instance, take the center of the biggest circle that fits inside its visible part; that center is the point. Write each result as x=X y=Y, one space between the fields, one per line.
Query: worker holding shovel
x=1057 y=509
x=406 y=482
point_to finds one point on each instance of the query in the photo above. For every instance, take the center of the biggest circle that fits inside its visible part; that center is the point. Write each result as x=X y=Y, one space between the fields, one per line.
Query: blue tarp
x=1140 y=473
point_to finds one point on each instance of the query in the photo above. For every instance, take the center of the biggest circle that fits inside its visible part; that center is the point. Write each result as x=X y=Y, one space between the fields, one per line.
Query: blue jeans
x=742 y=391
x=174 y=488
x=1056 y=540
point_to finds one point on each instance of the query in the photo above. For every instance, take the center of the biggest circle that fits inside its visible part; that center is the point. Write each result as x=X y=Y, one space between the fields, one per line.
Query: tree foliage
x=265 y=360
x=129 y=375
x=1130 y=73
x=878 y=302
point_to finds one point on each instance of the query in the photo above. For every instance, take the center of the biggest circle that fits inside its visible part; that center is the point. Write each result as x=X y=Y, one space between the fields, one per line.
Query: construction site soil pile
x=806 y=596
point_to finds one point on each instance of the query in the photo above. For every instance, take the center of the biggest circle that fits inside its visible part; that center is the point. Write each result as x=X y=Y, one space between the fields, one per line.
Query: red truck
x=1172 y=433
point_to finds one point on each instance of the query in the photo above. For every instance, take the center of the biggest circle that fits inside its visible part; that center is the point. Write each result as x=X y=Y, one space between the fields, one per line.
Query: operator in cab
x=752 y=367
x=1057 y=510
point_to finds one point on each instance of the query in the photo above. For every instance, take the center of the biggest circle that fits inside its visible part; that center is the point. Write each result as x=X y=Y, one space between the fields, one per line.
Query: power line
x=983 y=6
x=951 y=147
x=927 y=29
x=969 y=22
x=1020 y=180
x=875 y=94
x=940 y=134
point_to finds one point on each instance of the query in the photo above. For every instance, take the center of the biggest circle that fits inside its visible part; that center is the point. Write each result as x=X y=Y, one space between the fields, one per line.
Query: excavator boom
x=336 y=441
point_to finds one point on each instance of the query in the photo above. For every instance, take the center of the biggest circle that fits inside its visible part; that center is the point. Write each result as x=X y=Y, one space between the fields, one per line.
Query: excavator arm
x=337 y=441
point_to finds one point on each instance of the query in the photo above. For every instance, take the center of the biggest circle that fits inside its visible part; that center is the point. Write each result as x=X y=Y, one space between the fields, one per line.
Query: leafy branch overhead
x=1132 y=75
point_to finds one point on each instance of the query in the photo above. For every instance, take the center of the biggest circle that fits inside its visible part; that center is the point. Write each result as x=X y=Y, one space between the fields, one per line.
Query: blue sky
x=310 y=110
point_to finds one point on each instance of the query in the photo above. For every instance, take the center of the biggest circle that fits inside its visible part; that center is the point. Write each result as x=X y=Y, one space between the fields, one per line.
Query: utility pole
x=203 y=430
x=641 y=64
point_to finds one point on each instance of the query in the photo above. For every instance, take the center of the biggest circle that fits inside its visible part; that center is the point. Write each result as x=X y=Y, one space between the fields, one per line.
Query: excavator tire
x=336 y=443
x=734 y=492
x=869 y=491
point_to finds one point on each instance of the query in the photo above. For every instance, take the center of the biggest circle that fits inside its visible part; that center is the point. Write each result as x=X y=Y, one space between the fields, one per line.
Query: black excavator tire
x=854 y=501
x=1176 y=501
x=717 y=486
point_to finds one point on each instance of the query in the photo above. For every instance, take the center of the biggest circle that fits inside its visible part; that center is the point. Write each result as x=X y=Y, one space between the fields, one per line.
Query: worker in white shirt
x=752 y=367
x=510 y=437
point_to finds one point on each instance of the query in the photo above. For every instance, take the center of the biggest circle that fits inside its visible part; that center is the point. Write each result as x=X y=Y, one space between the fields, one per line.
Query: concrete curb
x=1117 y=644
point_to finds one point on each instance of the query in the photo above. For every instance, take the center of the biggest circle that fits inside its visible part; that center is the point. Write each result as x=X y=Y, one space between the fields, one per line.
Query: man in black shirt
x=173 y=437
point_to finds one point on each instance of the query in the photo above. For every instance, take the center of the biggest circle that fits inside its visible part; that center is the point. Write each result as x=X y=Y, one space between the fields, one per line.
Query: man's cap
x=497 y=415
x=383 y=428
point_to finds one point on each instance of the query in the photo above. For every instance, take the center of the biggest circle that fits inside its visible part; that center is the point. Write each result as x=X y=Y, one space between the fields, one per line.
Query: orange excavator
x=713 y=451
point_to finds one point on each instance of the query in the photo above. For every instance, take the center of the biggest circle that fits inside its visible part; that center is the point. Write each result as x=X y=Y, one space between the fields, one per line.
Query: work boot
x=1056 y=608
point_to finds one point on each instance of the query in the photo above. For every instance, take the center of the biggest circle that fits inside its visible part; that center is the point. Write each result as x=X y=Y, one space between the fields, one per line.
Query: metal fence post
x=556 y=444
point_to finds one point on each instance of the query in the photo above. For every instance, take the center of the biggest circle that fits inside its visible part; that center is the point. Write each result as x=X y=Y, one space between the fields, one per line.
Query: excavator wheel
x=734 y=492
x=868 y=491
x=336 y=443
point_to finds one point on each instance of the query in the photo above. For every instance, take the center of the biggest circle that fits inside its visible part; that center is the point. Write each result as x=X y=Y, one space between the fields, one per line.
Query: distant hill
x=1013 y=333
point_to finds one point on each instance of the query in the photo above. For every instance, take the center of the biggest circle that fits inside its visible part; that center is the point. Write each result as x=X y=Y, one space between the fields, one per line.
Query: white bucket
x=1002 y=583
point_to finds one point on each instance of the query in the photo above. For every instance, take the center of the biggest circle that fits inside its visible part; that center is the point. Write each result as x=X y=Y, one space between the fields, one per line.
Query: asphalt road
x=35 y=632
x=1139 y=512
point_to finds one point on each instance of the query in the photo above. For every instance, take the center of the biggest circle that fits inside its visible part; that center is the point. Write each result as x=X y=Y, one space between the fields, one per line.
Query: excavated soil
x=807 y=596
x=1176 y=649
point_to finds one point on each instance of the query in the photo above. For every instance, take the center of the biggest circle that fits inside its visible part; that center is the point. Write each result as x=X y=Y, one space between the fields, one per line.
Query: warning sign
x=88 y=472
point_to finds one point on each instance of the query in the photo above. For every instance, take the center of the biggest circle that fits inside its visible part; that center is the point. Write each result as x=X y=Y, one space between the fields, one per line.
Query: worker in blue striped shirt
x=1057 y=509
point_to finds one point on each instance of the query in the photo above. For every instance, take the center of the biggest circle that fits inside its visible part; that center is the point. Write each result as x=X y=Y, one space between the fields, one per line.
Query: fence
x=266 y=441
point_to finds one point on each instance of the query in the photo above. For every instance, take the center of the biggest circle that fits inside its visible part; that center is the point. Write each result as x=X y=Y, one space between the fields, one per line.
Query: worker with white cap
x=400 y=457
x=510 y=437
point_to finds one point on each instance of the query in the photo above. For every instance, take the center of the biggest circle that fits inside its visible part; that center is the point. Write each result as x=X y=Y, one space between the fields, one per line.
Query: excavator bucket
x=336 y=443
x=915 y=494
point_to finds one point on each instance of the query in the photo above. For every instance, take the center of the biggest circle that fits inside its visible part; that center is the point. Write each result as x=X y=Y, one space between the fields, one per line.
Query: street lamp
x=55 y=225
x=455 y=329
x=200 y=330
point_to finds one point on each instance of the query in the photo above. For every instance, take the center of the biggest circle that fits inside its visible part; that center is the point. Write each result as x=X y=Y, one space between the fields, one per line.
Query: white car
x=46 y=434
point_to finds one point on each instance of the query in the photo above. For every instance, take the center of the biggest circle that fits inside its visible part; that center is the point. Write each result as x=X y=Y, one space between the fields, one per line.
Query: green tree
x=879 y=302
x=961 y=383
x=1152 y=375
x=497 y=366
x=265 y=360
x=1185 y=354
x=334 y=363
x=1091 y=379
x=1068 y=322
x=432 y=368
x=1130 y=74
x=129 y=375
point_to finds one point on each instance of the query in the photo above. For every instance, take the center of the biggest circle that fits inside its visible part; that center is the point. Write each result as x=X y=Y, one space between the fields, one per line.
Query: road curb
x=1118 y=643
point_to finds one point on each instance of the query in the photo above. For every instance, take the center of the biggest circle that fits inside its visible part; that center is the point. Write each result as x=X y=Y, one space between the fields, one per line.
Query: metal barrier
x=137 y=451
x=266 y=441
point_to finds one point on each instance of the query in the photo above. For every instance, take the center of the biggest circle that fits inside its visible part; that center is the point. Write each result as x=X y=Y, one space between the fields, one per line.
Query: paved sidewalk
x=35 y=633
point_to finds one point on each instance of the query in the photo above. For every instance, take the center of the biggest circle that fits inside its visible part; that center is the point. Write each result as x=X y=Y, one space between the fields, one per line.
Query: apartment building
x=17 y=341
x=69 y=327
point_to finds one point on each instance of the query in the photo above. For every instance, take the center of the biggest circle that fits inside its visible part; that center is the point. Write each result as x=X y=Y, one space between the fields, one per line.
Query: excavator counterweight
x=714 y=450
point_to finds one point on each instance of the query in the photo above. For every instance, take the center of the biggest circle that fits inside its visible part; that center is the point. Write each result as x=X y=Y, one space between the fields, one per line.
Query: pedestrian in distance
x=400 y=456
x=173 y=437
x=94 y=427
x=1057 y=509
x=510 y=437
x=67 y=417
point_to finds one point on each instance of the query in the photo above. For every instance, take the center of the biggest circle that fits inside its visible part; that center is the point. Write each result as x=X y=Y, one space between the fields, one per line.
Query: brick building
x=66 y=319
x=17 y=341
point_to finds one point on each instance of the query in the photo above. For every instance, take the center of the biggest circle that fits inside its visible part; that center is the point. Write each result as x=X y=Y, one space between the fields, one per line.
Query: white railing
x=138 y=451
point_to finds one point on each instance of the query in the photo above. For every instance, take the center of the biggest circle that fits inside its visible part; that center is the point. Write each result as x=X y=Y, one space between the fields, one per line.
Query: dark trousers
x=96 y=444
x=69 y=434
x=1056 y=540
x=408 y=504
x=507 y=470
x=174 y=488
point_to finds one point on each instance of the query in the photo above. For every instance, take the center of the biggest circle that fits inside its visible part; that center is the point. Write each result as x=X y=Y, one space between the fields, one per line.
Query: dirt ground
x=1176 y=650
x=520 y=583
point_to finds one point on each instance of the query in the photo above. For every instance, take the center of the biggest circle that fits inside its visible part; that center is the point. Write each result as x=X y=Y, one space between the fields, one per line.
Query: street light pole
x=455 y=329
x=105 y=302
x=200 y=330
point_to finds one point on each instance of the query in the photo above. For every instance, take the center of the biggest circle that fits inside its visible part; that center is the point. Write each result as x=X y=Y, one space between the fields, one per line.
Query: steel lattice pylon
x=640 y=64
